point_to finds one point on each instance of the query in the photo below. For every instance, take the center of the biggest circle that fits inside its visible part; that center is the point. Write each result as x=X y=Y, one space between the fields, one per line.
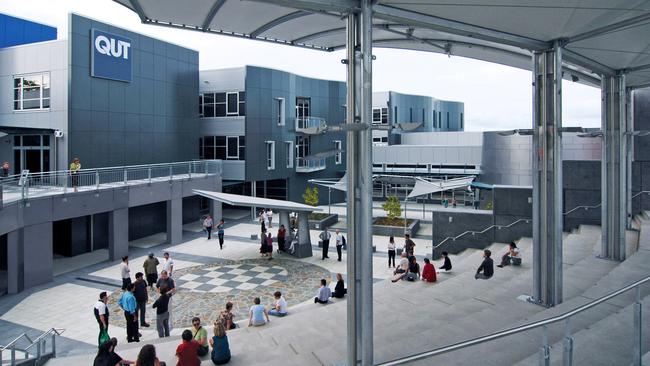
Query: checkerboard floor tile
x=230 y=277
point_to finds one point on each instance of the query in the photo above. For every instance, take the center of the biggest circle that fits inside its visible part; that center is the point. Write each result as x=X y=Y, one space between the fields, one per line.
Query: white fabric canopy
x=340 y=185
x=423 y=187
x=248 y=201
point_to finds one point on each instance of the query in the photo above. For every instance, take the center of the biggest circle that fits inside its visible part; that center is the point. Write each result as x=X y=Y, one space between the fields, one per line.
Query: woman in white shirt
x=391 y=251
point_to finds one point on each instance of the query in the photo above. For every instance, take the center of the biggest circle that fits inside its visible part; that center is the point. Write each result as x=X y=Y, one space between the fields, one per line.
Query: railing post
x=170 y=173
x=149 y=174
x=96 y=179
x=567 y=350
x=205 y=166
x=54 y=344
x=638 y=329
x=189 y=170
x=65 y=182
x=545 y=350
x=126 y=176
x=12 y=361
x=38 y=349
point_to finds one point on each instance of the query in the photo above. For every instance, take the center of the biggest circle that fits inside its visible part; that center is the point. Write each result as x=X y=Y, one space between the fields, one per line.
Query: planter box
x=396 y=231
x=326 y=222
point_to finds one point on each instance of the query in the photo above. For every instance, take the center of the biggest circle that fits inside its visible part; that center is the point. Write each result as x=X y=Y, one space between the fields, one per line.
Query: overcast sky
x=495 y=96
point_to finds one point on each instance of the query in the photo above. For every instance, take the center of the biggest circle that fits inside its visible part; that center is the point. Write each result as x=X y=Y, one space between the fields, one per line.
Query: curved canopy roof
x=600 y=37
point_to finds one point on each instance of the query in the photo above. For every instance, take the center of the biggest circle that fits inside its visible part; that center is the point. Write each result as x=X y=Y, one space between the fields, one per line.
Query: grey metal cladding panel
x=10 y=218
x=117 y=154
x=99 y=94
x=147 y=64
x=146 y=96
x=80 y=50
x=513 y=201
x=38 y=211
x=506 y=235
x=583 y=175
x=116 y=121
x=577 y=197
x=83 y=203
x=116 y=99
x=143 y=141
x=99 y=121
x=132 y=98
x=146 y=43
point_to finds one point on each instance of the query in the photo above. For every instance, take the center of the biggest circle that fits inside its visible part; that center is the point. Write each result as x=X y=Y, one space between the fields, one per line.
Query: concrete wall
x=153 y=119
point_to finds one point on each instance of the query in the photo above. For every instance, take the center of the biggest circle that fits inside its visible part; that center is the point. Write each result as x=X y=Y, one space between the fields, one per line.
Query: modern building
x=433 y=115
x=106 y=95
x=257 y=120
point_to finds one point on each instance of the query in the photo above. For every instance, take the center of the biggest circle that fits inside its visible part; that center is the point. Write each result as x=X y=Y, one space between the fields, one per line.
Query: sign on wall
x=110 y=56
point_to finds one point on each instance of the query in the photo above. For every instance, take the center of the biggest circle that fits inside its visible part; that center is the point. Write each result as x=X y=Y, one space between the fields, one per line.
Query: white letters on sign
x=112 y=47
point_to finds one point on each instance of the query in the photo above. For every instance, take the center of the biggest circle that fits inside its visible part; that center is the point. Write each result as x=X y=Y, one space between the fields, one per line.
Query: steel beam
x=412 y=18
x=587 y=63
x=278 y=21
x=340 y=6
x=614 y=27
x=613 y=167
x=211 y=14
x=547 y=176
x=135 y=4
x=629 y=154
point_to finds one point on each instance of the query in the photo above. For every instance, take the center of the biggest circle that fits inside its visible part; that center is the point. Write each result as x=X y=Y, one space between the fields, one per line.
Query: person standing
x=269 y=214
x=208 y=223
x=263 y=221
x=129 y=305
x=325 y=239
x=220 y=233
x=166 y=282
x=486 y=267
x=391 y=251
x=168 y=264
x=141 y=297
x=409 y=245
x=339 y=243
x=5 y=169
x=101 y=315
x=269 y=245
x=151 y=270
x=75 y=167
x=281 y=235
x=126 y=272
x=162 y=314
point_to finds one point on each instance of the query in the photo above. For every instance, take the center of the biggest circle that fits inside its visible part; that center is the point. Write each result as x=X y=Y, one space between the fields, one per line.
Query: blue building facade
x=16 y=31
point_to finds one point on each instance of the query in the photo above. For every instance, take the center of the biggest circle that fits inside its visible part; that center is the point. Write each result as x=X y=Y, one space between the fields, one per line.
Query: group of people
x=409 y=269
x=208 y=225
x=325 y=238
x=325 y=293
x=486 y=270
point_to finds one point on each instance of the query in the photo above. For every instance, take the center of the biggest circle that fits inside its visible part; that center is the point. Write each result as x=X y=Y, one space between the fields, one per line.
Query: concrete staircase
x=412 y=317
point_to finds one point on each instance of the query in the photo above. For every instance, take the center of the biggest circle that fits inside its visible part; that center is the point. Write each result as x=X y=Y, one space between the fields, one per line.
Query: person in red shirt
x=429 y=271
x=187 y=351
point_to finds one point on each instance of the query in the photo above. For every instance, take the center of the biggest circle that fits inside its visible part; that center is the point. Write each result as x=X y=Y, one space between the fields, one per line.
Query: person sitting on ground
x=257 y=314
x=506 y=258
x=117 y=359
x=447 y=262
x=187 y=351
x=487 y=267
x=200 y=335
x=339 y=290
x=147 y=357
x=402 y=269
x=220 y=347
x=280 y=306
x=226 y=317
x=428 y=271
x=324 y=293
x=414 y=269
x=104 y=357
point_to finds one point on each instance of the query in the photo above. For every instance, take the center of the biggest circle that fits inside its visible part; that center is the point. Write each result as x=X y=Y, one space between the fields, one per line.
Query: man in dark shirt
x=141 y=296
x=487 y=267
x=409 y=245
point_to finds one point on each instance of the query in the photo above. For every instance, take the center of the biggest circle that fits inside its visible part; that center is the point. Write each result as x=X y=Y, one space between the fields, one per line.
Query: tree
x=392 y=207
x=311 y=196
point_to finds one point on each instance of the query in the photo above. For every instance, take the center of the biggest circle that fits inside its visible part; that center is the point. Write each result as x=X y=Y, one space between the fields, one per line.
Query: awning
x=248 y=201
x=482 y=185
x=423 y=187
x=340 y=184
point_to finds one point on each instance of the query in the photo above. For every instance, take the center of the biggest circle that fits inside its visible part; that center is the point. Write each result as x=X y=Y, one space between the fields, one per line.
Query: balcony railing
x=307 y=124
x=29 y=185
x=310 y=165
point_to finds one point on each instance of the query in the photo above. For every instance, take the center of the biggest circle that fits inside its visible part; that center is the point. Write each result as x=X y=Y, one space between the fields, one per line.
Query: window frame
x=270 y=155
x=290 y=153
x=338 y=158
x=281 y=113
x=20 y=90
x=228 y=112
x=228 y=156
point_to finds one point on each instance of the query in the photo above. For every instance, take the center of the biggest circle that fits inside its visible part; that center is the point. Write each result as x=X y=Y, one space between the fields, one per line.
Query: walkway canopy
x=424 y=187
x=599 y=38
x=247 y=201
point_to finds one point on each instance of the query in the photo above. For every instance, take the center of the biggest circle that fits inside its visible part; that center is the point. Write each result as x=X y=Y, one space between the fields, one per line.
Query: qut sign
x=110 y=56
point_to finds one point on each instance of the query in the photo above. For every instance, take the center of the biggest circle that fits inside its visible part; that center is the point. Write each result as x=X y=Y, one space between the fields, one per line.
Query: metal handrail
x=56 y=331
x=473 y=232
x=518 y=329
x=40 y=343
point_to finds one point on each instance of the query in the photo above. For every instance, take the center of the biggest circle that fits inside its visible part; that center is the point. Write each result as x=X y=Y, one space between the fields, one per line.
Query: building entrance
x=31 y=152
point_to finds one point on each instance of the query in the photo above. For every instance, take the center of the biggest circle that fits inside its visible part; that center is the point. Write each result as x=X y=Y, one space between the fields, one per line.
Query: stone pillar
x=547 y=177
x=614 y=167
x=15 y=262
x=216 y=210
x=37 y=254
x=175 y=221
x=118 y=233
x=302 y=249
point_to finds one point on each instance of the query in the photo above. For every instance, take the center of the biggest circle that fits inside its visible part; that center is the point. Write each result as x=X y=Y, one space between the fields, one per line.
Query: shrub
x=392 y=207
x=311 y=196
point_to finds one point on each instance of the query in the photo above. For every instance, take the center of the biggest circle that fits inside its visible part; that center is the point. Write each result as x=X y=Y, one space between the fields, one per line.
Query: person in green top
x=200 y=335
x=151 y=270
x=75 y=166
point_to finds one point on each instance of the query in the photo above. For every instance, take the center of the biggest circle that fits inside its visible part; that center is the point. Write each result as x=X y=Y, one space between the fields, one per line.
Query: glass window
x=232 y=104
x=462 y=121
x=220 y=97
x=208 y=141
x=376 y=115
x=447 y=120
x=289 y=146
x=32 y=140
x=233 y=147
x=220 y=110
x=384 y=116
x=200 y=105
x=242 y=96
x=208 y=105
x=279 y=111
x=270 y=155
x=46 y=140
x=201 y=148
x=220 y=141
x=242 y=148
x=32 y=91
x=338 y=158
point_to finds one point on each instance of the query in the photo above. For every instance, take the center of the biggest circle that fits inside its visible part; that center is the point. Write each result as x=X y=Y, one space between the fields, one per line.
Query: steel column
x=359 y=168
x=613 y=167
x=547 y=181
x=629 y=154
